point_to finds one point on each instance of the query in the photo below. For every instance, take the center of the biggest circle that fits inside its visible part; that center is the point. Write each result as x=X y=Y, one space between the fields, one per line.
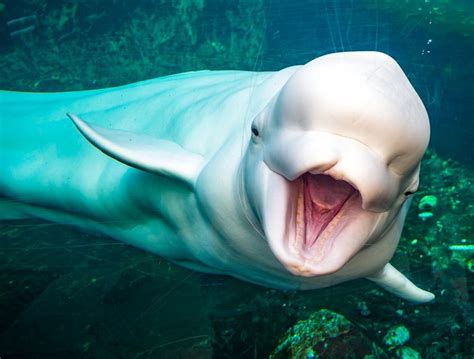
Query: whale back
x=45 y=159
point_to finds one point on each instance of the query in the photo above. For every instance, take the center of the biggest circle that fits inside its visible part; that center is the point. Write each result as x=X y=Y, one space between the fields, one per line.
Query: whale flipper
x=395 y=282
x=146 y=153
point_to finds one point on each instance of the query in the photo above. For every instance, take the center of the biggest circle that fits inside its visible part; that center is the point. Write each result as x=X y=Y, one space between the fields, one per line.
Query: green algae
x=80 y=45
x=440 y=16
x=307 y=333
x=396 y=336
x=428 y=202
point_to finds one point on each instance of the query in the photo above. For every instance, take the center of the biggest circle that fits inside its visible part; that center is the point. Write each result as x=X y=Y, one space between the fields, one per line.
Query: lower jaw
x=310 y=261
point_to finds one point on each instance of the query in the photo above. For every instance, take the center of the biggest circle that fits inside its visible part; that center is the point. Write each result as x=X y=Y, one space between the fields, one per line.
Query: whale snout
x=292 y=155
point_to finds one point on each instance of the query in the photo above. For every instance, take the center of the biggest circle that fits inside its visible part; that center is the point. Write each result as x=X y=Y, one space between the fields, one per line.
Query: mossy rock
x=325 y=334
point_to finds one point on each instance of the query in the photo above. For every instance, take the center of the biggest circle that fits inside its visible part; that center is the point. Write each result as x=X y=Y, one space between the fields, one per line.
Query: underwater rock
x=470 y=265
x=426 y=206
x=425 y=215
x=328 y=334
x=407 y=353
x=397 y=335
x=363 y=309
x=428 y=202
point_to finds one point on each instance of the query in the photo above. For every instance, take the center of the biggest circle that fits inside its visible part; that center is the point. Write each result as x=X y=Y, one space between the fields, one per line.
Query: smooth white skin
x=198 y=189
x=356 y=118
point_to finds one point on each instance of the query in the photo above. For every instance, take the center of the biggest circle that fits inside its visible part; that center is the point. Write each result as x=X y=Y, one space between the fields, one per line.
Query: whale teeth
x=300 y=223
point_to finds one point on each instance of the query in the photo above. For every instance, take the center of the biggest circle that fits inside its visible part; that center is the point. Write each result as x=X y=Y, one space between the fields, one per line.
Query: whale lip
x=319 y=242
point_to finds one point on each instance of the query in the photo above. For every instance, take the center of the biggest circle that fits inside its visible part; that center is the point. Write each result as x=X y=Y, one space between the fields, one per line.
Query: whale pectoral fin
x=395 y=282
x=143 y=152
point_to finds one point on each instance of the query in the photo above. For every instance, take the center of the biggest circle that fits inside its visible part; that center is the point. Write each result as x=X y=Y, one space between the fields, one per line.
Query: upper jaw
x=342 y=226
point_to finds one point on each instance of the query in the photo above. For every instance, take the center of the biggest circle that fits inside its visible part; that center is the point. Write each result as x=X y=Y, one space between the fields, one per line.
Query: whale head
x=332 y=160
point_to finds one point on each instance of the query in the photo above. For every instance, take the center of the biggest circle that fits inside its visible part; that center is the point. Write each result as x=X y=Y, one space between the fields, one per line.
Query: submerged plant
x=79 y=45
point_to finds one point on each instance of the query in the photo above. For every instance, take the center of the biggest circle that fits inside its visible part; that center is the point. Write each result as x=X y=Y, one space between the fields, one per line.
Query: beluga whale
x=294 y=179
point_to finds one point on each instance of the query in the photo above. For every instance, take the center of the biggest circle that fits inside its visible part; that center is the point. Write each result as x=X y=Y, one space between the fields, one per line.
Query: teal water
x=68 y=294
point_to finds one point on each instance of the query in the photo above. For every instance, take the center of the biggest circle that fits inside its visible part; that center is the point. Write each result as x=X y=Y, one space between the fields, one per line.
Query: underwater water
x=69 y=294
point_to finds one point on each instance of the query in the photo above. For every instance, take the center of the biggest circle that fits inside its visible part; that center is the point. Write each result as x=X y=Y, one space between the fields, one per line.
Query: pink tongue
x=323 y=198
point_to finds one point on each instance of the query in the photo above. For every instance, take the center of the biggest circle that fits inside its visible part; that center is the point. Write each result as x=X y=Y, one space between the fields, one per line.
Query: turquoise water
x=64 y=293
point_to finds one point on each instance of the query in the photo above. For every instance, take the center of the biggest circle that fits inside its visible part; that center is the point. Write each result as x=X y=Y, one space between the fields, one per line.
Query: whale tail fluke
x=395 y=282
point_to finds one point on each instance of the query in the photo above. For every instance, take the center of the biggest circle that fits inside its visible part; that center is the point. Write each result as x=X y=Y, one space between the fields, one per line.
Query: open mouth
x=321 y=201
x=315 y=223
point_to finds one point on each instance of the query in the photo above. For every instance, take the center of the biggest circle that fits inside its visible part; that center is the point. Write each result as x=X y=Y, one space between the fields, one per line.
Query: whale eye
x=408 y=193
x=255 y=131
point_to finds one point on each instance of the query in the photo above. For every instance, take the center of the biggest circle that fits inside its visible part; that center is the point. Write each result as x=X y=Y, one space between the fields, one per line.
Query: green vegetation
x=81 y=45
x=440 y=16
x=298 y=341
x=446 y=190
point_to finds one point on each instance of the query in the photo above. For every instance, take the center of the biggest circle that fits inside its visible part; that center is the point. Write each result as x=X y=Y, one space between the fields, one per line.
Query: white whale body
x=295 y=179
